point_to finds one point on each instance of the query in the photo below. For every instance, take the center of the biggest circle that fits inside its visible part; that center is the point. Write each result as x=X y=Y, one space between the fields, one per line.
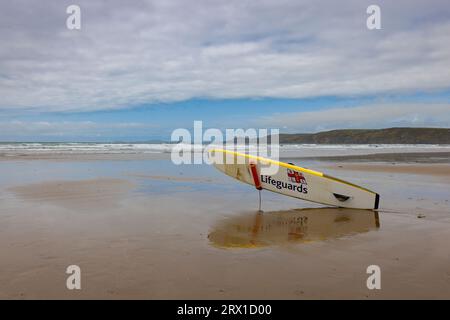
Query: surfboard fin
x=341 y=197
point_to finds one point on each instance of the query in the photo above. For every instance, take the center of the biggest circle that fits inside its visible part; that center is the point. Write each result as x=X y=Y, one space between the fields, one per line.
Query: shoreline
x=395 y=156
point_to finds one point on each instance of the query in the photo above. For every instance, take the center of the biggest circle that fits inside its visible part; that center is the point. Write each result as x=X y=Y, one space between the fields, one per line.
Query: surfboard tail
x=377 y=201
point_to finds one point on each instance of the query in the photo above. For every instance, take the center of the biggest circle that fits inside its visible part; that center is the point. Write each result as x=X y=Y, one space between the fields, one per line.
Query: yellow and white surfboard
x=293 y=181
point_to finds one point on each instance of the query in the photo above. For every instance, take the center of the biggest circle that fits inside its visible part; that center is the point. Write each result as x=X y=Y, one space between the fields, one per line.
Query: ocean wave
x=77 y=147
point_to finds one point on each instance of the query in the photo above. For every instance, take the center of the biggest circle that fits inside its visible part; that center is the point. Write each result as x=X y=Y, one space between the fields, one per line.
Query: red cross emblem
x=295 y=176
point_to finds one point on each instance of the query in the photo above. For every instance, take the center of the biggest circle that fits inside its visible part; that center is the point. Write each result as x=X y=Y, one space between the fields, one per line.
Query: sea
x=14 y=148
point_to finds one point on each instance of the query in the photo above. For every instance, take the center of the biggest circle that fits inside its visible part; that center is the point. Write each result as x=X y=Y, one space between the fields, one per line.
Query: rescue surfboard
x=294 y=181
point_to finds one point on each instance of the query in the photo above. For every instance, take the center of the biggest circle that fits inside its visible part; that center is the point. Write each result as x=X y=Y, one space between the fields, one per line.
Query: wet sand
x=142 y=228
x=440 y=171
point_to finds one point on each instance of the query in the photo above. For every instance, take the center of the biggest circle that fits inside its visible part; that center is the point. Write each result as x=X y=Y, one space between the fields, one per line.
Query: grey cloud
x=16 y=128
x=131 y=53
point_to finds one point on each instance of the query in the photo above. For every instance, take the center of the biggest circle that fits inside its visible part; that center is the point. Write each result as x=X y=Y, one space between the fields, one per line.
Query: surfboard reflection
x=291 y=226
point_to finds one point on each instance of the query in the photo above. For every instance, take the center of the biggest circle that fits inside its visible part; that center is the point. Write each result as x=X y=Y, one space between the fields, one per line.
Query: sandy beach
x=318 y=136
x=141 y=227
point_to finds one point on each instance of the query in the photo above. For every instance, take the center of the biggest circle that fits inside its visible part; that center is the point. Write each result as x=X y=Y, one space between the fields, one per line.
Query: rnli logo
x=295 y=176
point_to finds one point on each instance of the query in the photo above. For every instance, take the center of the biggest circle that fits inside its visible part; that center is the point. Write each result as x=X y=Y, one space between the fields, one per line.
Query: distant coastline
x=388 y=136
x=371 y=136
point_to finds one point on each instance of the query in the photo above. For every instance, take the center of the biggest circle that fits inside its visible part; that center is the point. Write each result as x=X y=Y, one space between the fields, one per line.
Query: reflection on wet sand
x=292 y=226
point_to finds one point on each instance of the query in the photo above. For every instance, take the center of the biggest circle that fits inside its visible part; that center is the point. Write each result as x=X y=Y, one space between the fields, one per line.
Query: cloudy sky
x=137 y=70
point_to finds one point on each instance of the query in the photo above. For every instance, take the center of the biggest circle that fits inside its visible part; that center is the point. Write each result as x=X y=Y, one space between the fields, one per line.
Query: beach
x=140 y=227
